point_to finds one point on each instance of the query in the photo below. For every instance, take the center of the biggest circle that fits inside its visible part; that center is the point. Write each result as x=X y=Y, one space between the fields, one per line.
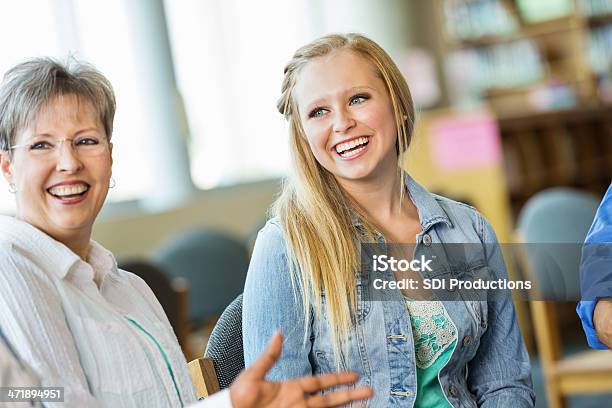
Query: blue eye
x=41 y=146
x=87 y=141
x=358 y=99
x=316 y=113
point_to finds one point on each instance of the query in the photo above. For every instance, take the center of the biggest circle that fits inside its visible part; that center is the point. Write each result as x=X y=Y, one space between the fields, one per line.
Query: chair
x=224 y=356
x=557 y=221
x=172 y=294
x=214 y=264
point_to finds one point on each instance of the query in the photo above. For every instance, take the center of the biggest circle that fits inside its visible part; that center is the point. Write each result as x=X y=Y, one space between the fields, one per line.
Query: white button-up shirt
x=94 y=329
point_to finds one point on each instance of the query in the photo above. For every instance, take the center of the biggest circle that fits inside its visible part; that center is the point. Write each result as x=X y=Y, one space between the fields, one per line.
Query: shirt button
x=452 y=390
x=426 y=240
x=467 y=340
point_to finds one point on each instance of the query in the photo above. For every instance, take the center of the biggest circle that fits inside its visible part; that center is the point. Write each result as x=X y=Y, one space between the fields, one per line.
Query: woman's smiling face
x=347 y=116
x=61 y=191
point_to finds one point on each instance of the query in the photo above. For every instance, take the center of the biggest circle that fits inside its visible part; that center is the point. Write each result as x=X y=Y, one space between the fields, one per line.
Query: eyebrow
x=44 y=134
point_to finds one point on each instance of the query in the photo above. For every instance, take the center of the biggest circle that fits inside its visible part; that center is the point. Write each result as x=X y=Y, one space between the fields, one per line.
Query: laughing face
x=60 y=191
x=346 y=113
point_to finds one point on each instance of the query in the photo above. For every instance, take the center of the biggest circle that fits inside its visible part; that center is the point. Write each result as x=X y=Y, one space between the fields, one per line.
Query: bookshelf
x=563 y=148
x=539 y=66
x=524 y=55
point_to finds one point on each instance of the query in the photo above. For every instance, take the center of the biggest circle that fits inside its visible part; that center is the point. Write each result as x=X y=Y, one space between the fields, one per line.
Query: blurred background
x=513 y=97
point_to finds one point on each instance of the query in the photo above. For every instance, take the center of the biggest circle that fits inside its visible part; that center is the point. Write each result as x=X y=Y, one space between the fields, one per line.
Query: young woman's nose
x=343 y=121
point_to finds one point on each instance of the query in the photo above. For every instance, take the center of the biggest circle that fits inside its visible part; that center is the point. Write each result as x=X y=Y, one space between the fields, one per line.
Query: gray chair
x=225 y=344
x=215 y=265
x=224 y=356
x=554 y=224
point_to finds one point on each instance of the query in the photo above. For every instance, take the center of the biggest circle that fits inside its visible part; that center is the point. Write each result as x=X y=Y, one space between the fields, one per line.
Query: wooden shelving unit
x=527 y=66
x=555 y=130
x=565 y=148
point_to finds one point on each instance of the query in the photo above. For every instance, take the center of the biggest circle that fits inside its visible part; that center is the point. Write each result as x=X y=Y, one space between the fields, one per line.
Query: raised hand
x=251 y=389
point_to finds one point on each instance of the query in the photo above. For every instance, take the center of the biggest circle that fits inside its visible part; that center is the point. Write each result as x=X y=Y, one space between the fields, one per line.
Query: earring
x=112 y=184
x=12 y=188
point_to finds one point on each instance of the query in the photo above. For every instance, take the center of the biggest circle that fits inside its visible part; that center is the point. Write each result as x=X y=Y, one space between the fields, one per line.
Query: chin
x=68 y=222
x=357 y=173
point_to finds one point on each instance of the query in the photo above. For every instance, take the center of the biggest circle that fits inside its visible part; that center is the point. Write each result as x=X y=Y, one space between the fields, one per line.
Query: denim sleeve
x=585 y=311
x=500 y=373
x=596 y=268
x=270 y=305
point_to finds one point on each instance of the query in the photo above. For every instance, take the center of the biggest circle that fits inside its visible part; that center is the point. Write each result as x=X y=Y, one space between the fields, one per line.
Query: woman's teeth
x=63 y=191
x=352 y=147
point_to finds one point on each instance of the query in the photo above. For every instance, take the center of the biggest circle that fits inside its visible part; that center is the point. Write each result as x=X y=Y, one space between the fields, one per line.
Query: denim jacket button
x=483 y=324
x=452 y=390
x=467 y=340
x=426 y=240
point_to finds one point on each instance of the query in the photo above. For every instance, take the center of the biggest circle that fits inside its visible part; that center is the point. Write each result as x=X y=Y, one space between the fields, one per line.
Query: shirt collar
x=101 y=260
x=429 y=210
x=49 y=254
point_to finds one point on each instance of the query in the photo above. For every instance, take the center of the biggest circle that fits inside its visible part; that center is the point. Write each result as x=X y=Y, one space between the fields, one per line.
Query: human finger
x=321 y=382
x=338 y=398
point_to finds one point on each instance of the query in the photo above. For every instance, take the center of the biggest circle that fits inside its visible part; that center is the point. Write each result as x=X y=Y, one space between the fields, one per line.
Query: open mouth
x=69 y=192
x=352 y=147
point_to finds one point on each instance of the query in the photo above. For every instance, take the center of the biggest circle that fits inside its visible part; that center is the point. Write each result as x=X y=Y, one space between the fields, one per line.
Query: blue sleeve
x=585 y=311
x=270 y=304
x=596 y=268
x=500 y=373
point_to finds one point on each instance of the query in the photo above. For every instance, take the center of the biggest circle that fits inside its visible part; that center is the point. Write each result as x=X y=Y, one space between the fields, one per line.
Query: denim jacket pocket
x=322 y=365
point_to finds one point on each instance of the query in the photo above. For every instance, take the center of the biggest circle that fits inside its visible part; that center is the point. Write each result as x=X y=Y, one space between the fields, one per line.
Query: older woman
x=71 y=315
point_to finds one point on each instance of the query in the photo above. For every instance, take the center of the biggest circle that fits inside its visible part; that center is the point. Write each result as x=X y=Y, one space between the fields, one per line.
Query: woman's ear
x=5 y=166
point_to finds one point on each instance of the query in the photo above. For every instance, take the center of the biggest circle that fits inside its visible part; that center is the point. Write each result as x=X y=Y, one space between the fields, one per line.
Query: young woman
x=351 y=116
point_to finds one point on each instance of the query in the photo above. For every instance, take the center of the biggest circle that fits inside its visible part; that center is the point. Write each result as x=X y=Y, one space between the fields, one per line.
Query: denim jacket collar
x=429 y=210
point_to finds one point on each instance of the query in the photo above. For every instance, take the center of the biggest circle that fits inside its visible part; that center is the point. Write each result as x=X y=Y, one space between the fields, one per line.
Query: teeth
x=353 y=152
x=341 y=147
x=68 y=190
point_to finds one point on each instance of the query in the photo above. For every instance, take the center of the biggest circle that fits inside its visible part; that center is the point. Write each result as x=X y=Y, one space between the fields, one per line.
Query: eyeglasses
x=83 y=146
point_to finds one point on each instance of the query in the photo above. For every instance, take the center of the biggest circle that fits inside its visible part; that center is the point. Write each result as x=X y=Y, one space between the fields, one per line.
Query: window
x=98 y=32
x=229 y=58
x=26 y=40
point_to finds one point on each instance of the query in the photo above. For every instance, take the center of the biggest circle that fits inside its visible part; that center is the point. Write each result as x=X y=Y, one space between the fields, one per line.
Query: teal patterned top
x=435 y=337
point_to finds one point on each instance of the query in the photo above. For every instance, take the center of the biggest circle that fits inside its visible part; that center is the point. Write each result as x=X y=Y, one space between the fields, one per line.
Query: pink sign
x=465 y=142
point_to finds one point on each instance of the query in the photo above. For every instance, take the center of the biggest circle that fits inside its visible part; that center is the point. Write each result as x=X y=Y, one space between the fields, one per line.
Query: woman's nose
x=343 y=121
x=67 y=158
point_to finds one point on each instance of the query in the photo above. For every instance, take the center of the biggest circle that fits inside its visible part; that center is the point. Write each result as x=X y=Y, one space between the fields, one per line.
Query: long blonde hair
x=315 y=213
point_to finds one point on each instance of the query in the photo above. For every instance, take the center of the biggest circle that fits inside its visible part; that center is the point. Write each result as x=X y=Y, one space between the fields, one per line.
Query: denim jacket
x=489 y=366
